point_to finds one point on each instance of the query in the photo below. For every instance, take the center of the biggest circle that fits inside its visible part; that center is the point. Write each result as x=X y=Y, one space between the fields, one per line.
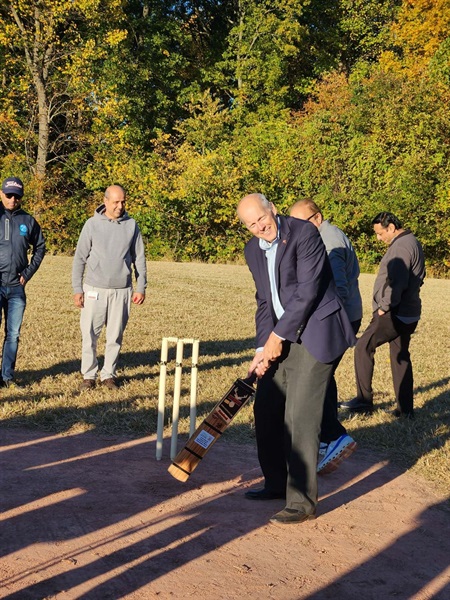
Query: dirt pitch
x=85 y=516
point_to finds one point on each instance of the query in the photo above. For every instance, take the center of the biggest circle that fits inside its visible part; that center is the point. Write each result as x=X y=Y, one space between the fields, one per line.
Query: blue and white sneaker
x=331 y=455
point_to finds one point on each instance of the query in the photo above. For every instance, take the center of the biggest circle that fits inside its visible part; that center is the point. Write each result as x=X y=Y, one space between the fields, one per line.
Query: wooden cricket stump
x=180 y=343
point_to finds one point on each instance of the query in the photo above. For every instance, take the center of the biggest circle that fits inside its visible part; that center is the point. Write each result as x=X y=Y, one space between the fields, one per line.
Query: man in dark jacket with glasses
x=19 y=232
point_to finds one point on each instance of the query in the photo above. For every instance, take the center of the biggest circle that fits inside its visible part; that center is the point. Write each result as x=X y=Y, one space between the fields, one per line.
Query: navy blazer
x=314 y=313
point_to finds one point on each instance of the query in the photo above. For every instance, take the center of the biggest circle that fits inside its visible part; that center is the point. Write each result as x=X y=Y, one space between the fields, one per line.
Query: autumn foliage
x=191 y=105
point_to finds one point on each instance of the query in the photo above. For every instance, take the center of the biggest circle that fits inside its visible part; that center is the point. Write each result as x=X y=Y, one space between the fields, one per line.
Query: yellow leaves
x=8 y=123
x=7 y=32
x=98 y=10
x=109 y=108
x=420 y=28
x=389 y=62
x=82 y=56
x=114 y=37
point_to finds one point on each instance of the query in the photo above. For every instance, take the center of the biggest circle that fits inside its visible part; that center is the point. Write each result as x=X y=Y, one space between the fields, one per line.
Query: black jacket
x=19 y=232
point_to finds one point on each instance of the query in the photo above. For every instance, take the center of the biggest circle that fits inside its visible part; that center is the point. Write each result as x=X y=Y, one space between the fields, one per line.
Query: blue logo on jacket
x=23 y=229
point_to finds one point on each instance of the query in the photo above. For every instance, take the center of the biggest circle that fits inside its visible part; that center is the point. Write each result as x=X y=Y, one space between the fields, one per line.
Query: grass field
x=214 y=303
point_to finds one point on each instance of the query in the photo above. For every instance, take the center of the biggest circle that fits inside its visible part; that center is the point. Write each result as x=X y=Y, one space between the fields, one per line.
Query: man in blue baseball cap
x=19 y=232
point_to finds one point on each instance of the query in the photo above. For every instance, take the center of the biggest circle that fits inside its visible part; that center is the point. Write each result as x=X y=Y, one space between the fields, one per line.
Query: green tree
x=49 y=49
x=379 y=143
x=275 y=52
x=365 y=27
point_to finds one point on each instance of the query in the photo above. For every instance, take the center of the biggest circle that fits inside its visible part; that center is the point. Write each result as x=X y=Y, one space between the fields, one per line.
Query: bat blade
x=211 y=428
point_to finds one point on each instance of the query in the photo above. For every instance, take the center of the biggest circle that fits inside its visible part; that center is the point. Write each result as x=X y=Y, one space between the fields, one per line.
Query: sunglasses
x=11 y=196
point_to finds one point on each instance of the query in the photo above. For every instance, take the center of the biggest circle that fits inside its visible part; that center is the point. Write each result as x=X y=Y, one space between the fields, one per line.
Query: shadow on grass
x=406 y=440
x=213 y=355
x=135 y=415
x=123 y=412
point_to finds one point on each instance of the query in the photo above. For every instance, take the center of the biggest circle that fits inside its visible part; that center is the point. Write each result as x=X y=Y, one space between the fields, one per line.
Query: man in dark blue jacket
x=301 y=328
x=18 y=232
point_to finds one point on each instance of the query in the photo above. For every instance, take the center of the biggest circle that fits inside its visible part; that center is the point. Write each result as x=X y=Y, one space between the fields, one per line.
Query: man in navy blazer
x=301 y=328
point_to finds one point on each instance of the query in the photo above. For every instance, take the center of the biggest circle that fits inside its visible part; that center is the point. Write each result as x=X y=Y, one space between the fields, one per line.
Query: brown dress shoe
x=110 y=383
x=87 y=384
x=289 y=515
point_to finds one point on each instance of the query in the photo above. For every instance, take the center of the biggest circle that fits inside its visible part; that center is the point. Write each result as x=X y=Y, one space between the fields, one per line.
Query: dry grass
x=216 y=304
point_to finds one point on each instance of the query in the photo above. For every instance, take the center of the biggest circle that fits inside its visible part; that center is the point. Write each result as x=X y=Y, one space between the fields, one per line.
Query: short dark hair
x=385 y=219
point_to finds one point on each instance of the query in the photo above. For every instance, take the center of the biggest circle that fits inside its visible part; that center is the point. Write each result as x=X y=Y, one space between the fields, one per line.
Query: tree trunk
x=239 y=50
x=37 y=55
x=43 y=131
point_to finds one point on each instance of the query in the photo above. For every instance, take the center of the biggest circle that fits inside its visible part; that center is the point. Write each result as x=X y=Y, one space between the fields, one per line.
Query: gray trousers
x=110 y=307
x=288 y=412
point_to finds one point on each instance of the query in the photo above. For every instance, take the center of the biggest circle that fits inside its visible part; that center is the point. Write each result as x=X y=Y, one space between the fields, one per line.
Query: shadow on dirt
x=56 y=489
x=113 y=520
x=413 y=554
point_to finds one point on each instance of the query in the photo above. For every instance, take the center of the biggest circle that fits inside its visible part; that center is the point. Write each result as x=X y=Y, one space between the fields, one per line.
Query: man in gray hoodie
x=110 y=244
x=396 y=309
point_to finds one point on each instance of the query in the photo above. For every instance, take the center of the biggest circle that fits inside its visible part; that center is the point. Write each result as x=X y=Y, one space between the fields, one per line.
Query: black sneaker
x=357 y=406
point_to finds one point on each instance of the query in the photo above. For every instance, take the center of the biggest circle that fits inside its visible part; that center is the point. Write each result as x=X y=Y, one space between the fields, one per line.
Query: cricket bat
x=212 y=428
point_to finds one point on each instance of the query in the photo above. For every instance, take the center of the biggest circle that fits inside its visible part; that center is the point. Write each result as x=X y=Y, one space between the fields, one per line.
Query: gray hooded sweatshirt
x=106 y=251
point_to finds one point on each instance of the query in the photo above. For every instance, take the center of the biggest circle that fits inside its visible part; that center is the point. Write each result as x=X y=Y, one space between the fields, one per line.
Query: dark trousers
x=331 y=428
x=381 y=330
x=288 y=412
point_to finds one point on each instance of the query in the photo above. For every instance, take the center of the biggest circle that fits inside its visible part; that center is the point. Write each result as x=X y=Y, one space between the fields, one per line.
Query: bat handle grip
x=250 y=380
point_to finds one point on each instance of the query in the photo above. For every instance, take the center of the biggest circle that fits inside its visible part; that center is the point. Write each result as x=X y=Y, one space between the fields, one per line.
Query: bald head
x=250 y=199
x=258 y=215
x=307 y=210
x=114 y=201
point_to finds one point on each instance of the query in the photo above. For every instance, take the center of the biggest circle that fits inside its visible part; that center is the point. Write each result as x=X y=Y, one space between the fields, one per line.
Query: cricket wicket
x=180 y=342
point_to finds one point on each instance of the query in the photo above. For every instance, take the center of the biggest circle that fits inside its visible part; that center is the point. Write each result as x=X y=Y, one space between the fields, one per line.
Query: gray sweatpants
x=110 y=307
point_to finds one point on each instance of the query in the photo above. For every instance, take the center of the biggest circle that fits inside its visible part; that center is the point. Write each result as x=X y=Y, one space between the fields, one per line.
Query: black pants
x=288 y=412
x=331 y=428
x=381 y=330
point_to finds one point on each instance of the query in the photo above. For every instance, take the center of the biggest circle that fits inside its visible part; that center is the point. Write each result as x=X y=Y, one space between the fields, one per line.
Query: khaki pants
x=110 y=307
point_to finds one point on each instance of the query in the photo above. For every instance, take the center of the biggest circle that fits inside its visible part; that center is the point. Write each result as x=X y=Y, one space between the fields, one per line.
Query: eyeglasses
x=313 y=215
x=11 y=196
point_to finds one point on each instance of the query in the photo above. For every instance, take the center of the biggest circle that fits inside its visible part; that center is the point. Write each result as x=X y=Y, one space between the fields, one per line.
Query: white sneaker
x=322 y=451
x=334 y=453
